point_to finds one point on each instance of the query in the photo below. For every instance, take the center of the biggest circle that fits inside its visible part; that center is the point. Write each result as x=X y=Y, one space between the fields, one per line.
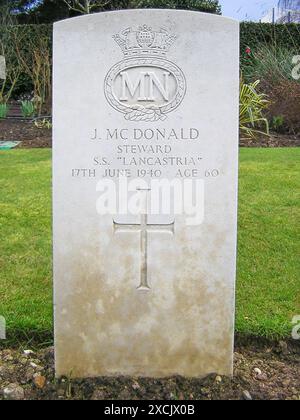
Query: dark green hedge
x=252 y=35
x=255 y=34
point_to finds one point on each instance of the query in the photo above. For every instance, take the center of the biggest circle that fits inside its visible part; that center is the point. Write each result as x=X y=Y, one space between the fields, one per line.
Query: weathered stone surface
x=14 y=392
x=145 y=295
x=247 y=396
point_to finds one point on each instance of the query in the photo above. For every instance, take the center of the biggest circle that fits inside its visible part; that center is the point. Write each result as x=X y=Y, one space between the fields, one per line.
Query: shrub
x=13 y=67
x=274 y=67
x=285 y=104
x=27 y=49
x=28 y=109
x=254 y=35
x=270 y=64
x=3 y=111
x=252 y=105
x=277 y=123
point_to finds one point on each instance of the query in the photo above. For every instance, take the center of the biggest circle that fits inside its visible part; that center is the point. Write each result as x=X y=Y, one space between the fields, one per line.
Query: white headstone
x=145 y=102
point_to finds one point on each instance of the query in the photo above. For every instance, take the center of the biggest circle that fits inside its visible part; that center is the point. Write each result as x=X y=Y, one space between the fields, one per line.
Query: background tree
x=89 y=6
x=6 y=8
x=209 y=6
x=86 y=6
x=13 y=67
x=48 y=11
x=41 y=11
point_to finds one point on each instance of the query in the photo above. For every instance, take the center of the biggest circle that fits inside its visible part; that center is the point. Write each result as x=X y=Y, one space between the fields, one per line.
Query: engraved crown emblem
x=145 y=85
x=145 y=41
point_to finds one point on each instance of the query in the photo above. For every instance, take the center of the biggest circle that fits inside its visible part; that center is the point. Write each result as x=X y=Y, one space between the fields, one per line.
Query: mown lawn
x=268 y=292
x=25 y=241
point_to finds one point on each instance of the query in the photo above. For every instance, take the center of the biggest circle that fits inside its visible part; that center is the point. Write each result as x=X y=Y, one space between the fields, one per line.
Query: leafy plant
x=43 y=123
x=273 y=66
x=252 y=105
x=277 y=123
x=28 y=109
x=269 y=64
x=4 y=108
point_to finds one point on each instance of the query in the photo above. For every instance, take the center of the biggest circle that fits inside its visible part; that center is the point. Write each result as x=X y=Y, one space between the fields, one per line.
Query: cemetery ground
x=267 y=361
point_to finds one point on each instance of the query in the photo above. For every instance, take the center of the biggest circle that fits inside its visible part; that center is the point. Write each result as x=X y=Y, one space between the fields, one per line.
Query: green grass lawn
x=25 y=241
x=268 y=292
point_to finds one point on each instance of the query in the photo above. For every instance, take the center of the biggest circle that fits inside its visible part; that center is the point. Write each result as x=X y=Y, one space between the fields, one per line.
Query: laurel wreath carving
x=149 y=113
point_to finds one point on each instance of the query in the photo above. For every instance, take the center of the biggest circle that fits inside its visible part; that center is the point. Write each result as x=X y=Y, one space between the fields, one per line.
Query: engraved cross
x=144 y=228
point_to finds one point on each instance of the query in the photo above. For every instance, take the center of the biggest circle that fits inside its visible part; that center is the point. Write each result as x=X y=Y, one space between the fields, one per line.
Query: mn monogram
x=145 y=86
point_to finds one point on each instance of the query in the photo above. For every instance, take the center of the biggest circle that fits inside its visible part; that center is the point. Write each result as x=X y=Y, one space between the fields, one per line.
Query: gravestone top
x=145 y=170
